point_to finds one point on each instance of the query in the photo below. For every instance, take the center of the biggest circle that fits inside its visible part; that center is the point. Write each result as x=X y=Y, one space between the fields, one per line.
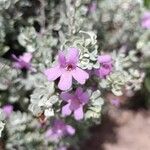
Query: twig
x=70 y=11
x=42 y=15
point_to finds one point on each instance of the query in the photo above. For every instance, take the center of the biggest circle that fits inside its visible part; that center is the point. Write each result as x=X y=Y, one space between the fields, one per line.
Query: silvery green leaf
x=98 y=102
x=96 y=65
x=92 y=36
x=117 y=92
x=136 y=79
x=143 y=44
x=87 y=42
x=87 y=45
x=116 y=81
x=5 y=4
x=95 y=94
x=2 y=116
x=27 y=38
x=95 y=105
x=35 y=109
x=1 y=127
x=54 y=99
x=49 y=112
x=43 y=98
x=104 y=84
x=95 y=109
x=22 y=129
x=91 y=114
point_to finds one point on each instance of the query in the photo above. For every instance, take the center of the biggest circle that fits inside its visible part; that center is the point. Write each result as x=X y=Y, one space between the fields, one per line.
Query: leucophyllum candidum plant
x=59 y=62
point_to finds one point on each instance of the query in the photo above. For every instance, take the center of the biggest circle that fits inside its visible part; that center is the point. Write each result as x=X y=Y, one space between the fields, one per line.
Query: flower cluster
x=58 y=63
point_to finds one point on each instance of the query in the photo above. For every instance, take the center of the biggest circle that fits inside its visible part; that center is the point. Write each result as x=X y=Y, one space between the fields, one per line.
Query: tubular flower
x=105 y=66
x=7 y=109
x=58 y=130
x=145 y=21
x=75 y=103
x=23 y=62
x=66 y=69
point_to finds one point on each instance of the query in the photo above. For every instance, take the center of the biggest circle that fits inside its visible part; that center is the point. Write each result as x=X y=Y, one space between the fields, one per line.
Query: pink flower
x=7 y=109
x=105 y=66
x=75 y=103
x=145 y=21
x=23 y=62
x=58 y=130
x=66 y=69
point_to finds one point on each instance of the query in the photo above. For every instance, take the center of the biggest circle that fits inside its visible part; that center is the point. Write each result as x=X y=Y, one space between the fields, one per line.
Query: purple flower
x=105 y=66
x=115 y=102
x=92 y=7
x=66 y=69
x=23 y=62
x=75 y=103
x=7 y=109
x=145 y=21
x=62 y=148
x=58 y=130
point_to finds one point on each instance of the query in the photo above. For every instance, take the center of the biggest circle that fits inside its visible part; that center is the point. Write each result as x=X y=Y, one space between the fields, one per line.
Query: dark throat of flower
x=69 y=67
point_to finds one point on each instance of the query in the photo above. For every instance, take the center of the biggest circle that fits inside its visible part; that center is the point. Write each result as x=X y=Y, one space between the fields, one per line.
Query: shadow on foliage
x=103 y=133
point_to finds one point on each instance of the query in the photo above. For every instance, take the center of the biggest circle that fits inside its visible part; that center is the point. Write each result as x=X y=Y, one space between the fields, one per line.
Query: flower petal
x=48 y=133
x=84 y=98
x=66 y=110
x=146 y=24
x=65 y=81
x=70 y=130
x=78 y=91
x=80 y=75
x=66 y=96
x=145 y=21
x=7 y=109
x=78 y=113
x=72 y=55
x=15 y=57
x=17 y=65
x=53 y=73
x=104 y=58
x=26 y=57
x=103 y=72
x=62 y=59
x=62 y=148
x=74 y=104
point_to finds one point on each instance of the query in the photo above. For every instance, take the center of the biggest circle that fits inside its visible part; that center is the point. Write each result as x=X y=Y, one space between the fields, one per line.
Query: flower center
x=106 y=66
x=69 y=67
x=77 y=102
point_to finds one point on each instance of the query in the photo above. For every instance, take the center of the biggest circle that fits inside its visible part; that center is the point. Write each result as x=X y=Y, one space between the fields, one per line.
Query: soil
x=121 y=129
